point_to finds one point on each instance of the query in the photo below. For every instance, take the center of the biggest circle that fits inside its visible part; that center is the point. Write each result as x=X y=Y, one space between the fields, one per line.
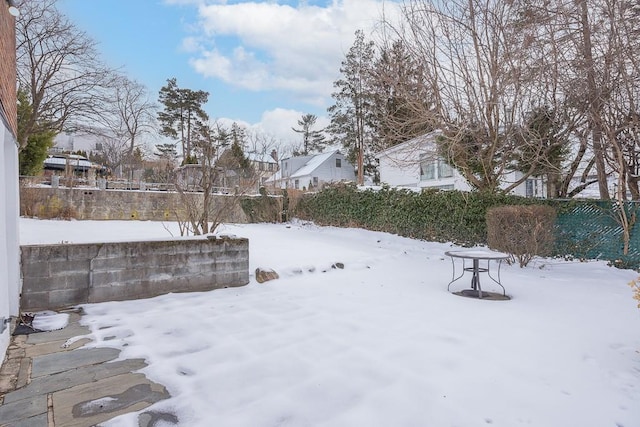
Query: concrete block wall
x=95 y=204
x=63 y=275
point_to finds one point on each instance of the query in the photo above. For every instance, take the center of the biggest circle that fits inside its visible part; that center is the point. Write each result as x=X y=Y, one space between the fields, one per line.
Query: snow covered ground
x=378 y=343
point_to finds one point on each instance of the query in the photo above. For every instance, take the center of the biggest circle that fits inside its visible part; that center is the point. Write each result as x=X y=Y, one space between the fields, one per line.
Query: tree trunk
x=595 y=102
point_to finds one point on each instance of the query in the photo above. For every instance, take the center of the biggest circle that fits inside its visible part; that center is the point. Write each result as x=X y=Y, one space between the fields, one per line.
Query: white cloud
x=277 y=123
x=270 y=46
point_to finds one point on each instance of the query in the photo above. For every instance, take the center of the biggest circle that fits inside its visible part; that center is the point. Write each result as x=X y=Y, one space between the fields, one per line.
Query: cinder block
x=68 y=297
x=34 y=301
x=83 y=251
x=57 y=268
x=35 y=268
x=75 y=280
x=38 y=284
x=102 y=263
x=104 y=278
x=115 y=292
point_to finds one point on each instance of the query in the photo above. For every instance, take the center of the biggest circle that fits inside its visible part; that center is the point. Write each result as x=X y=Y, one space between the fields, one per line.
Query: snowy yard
x=378 y=343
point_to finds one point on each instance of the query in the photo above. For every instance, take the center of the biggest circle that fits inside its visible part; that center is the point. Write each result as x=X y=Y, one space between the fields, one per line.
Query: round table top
x=477 y=254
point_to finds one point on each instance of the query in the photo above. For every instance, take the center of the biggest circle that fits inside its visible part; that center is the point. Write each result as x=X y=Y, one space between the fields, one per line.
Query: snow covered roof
x=421 y=142
x=261 y=157
x=73 y=160
x=313 y=164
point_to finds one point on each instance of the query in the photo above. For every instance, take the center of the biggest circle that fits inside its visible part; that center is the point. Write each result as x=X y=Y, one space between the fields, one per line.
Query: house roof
x=312 y=164
x=413 y=144
x=307 y=169
x=261 y=157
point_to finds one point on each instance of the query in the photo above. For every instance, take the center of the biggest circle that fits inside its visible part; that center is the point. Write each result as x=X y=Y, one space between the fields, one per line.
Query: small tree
x=202 y=211
x=33 y=154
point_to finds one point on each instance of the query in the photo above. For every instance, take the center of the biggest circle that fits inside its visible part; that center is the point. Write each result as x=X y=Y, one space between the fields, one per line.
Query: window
x=427 y=170
x=296 y=184
x=434 y=169
x=338 y=163
x=530 y=188
x=444 y=169
x=315 y=181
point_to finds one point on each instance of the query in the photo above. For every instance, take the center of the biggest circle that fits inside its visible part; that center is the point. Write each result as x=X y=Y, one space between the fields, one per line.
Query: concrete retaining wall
x=93 y=203
x=63 y=275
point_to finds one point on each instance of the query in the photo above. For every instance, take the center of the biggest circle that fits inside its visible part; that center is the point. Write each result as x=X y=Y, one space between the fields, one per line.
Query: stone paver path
x=44 y=383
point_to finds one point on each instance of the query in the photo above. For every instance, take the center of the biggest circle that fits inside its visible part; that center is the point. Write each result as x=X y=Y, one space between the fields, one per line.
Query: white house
x=264 y=164
x=70 y=142
x=416 y=164
x=304 y=172
x=9 y=195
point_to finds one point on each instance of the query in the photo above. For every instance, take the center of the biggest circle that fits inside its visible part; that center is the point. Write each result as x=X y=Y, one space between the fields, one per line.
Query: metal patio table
x=476 y=256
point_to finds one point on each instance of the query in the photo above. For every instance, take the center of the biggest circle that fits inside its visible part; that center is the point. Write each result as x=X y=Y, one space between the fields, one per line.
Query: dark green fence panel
x=592 y=230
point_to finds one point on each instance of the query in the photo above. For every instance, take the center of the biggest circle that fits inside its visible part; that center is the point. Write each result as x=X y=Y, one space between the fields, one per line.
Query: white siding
x=9 y=246
x=399 y=166
x=398 y=174
x=322 y=167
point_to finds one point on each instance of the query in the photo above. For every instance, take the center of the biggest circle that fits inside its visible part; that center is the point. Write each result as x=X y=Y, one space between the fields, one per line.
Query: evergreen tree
x=238 y=136
x=402 y=104
x=31 y=157
x=183 y=108
x=312 y=140
x=166 y=151
x=351 y=115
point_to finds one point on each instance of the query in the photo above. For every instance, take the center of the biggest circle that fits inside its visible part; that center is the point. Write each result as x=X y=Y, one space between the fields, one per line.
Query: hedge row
x=584 y=229
x=441 y=216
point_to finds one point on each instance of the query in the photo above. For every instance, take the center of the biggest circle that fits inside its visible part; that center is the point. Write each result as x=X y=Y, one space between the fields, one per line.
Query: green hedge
x=441 y=216
x=584 y=229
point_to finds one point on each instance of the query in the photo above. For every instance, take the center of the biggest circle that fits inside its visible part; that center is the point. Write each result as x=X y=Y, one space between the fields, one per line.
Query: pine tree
x=167 y=151
x=312 y=140
x=351 y=115
x=402 y=104
x=32 y=156
x=182 y=109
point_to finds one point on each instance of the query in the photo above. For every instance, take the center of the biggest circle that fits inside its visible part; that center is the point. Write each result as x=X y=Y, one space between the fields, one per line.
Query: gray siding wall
x=63 y=275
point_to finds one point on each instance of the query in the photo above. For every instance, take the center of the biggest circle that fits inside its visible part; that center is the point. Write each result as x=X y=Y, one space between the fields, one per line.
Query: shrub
x=442 y=216
x=264 y=208
x=522 y=231
x=29 y=198
x=635 y=286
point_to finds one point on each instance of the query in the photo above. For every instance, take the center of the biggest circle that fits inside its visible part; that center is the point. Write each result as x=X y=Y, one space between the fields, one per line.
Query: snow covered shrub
x=522 y=231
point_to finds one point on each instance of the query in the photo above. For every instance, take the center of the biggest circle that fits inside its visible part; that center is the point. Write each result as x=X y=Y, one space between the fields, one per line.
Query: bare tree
x=476 y=71
x=59 y=67
x=123 y=116
x=202 y=206
x=127 y=112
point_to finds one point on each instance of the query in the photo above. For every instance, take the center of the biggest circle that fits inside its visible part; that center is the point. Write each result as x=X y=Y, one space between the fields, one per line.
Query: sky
x=378 y=343
x=264 y=63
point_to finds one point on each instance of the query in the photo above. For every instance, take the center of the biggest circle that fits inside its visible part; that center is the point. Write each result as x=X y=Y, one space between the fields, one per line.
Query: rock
x=338 y=265
x=265 y=274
